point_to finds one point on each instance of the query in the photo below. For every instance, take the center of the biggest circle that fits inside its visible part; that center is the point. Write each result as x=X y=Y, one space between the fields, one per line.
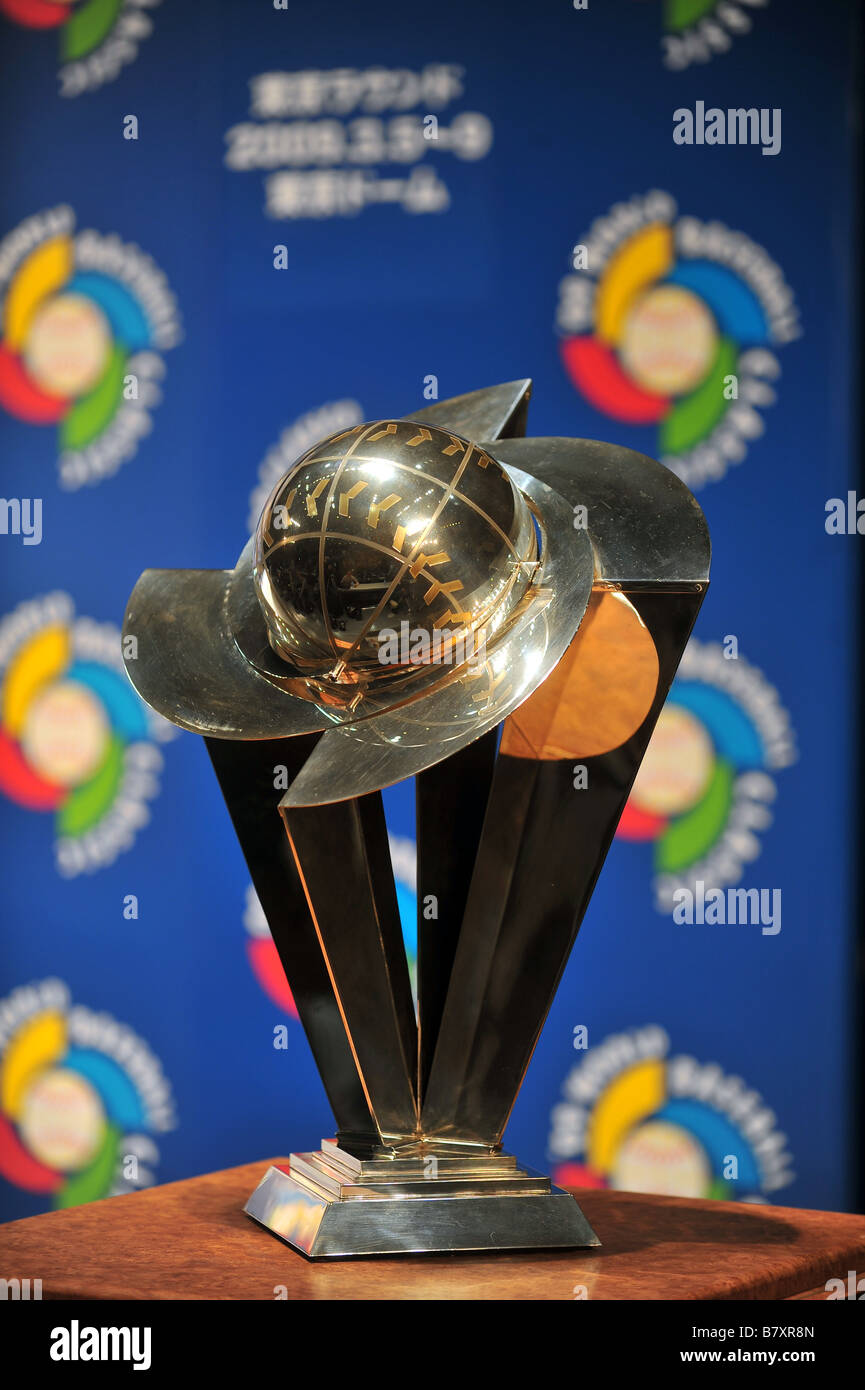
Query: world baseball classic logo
x=86 y=320
x=671 y=324
x=82 y=1098
x=76 y=742
x=96 y=38
x=635 y=1118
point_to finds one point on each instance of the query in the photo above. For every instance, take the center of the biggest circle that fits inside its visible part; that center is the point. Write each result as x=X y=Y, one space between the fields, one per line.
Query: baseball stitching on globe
x=389 y=527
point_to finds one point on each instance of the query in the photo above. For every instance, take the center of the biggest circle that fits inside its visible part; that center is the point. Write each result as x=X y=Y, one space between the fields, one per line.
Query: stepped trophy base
x=334 y=1204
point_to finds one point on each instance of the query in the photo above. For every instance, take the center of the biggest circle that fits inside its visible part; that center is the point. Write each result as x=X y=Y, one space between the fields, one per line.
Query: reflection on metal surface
x=564 y=577
x=357 y=758
x=386 y=524
x=600 y=692
x=330 y=1204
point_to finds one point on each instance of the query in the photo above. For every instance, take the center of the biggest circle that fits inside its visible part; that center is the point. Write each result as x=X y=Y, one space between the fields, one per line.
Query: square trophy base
x=333 y=1204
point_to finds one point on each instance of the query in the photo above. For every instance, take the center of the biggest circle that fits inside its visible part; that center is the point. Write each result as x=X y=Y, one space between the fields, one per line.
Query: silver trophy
x=500 y=618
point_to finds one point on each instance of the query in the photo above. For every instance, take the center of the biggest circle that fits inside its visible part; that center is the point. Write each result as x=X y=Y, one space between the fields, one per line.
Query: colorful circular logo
x=635 y=1119
x=84 y=318
x=668 y=322
x=698 y=30
x=75 y=739
x=705 y=787
x=97 y=37
x=81 y=1097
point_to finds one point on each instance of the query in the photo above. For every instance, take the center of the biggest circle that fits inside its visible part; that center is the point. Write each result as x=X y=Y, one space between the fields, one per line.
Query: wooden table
x=190 y=1240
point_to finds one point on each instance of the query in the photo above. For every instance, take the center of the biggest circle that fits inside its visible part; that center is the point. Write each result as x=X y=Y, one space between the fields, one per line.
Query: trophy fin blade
x=645 y=525
x=245 y=772
x=544 y=841
x=187 y=666
x=343 y=861
x=450 y=803
x=495 y=412
x=543 y=845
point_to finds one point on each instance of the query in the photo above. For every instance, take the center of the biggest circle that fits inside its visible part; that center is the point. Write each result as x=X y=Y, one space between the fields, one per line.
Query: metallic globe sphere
x=389 y=529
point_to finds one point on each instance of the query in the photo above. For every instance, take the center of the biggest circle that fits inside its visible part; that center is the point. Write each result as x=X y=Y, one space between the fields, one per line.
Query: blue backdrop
x=229 y=228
